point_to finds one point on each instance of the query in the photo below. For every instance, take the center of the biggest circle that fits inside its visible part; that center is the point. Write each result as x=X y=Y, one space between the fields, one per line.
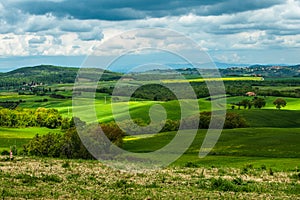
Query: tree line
x=202 y=121
x=40 y=117
x=259 y=102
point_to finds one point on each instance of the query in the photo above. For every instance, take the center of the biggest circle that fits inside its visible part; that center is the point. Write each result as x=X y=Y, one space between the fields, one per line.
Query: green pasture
x=235 y=147
x=241 y=162
x=20 y=136
x=271 y=118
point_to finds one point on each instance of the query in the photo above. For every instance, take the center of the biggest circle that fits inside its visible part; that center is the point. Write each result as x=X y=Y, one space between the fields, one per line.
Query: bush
x=66 y=164
x=190 y=164
x=47 y=145
x=113 y=132
x=51 y=178
x=72 y=146
x=5 y=153
x=69 y=145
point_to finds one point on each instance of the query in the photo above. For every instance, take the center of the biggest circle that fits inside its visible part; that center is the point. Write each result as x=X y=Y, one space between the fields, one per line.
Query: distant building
x=250 y=94
x=127 y=79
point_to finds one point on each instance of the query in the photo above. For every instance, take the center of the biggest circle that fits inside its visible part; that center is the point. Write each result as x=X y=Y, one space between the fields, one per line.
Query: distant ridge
x=57 y=74
x=236 y=70
x=49 y=74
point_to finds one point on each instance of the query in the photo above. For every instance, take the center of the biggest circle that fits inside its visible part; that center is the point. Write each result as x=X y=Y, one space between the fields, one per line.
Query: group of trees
x=70 y=145
x=258 y=102
x=40 y=117
x=232 y=120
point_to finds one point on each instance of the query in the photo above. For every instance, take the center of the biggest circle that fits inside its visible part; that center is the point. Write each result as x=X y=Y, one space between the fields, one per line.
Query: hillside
x=48 y=74
x=264 y=70
x=269 y=71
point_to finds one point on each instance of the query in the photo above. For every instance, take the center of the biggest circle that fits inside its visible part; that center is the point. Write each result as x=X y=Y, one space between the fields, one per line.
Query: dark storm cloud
x=139 y=9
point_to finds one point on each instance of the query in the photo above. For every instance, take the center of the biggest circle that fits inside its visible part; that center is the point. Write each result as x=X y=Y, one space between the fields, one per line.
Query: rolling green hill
x=271 y=118
x=235 y=147
x=48 y=74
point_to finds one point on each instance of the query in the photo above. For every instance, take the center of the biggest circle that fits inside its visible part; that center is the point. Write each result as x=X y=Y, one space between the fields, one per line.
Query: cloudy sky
x=63 y=32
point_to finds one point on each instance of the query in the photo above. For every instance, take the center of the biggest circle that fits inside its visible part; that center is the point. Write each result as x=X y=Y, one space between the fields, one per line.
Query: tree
x=245 y=103
x=259 y=102
x=279 y=102
x=234 y=120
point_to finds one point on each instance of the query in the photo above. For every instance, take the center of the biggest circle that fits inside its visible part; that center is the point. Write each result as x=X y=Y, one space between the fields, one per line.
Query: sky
x=65 y=32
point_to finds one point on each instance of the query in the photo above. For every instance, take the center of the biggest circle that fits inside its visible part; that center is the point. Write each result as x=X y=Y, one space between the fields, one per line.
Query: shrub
x=5 y=153
x=263 y=167
x=271 y=172
x=72 y=146
x=295 y=176
x=51 y=178
x=222 y=184
x=46 y=145
x=69 y=145
x=66 y=164
x=190 y=164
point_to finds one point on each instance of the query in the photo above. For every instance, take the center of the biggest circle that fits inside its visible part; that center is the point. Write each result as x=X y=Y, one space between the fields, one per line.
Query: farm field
x=214 y=79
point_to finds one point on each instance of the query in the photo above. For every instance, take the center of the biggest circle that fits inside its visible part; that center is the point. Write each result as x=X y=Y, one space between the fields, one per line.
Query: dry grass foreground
x=44 y=178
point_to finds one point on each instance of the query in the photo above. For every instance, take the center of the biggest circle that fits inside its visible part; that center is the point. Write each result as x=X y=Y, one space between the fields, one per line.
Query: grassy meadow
x=46 y=178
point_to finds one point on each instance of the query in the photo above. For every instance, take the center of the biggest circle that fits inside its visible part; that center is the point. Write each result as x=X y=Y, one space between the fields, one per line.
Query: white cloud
x=265 y=28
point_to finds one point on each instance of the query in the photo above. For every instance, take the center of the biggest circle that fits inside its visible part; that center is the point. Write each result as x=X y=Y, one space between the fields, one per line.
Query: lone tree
x=246 y=103
x=279 y=102
x=259 y=102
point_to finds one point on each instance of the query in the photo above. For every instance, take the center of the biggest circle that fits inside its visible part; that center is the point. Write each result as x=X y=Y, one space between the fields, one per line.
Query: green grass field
x=20 y=136
x=235 y=147
x=271 y=118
